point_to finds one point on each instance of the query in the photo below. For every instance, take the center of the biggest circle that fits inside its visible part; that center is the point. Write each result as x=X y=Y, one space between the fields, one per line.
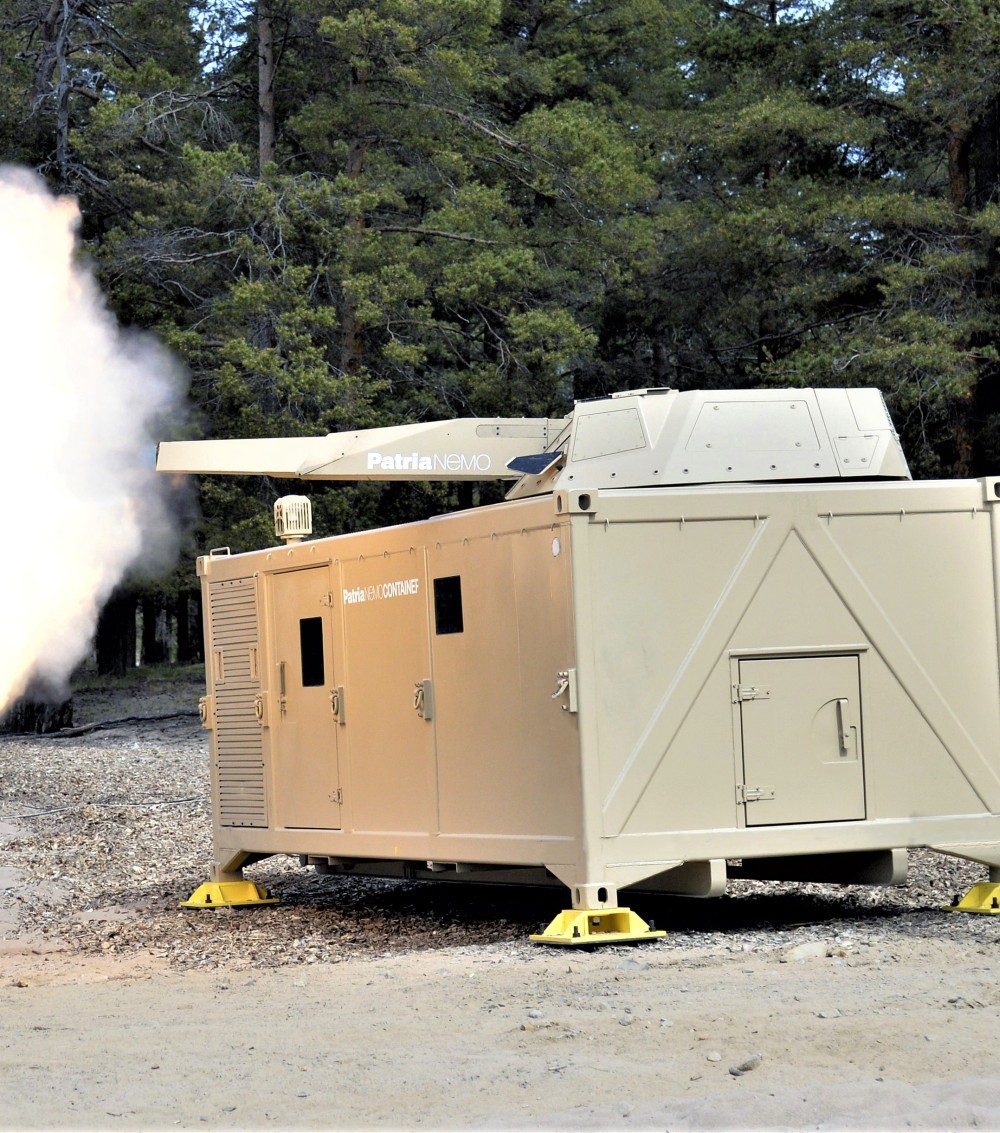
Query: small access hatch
x=802 y=747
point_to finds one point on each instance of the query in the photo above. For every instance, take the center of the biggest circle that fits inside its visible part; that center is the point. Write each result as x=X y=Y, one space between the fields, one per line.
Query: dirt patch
x=489 y=1037
x=359 y=1003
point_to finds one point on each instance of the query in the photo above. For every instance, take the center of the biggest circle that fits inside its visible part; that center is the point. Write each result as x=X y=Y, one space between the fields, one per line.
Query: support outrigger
x=597 y=926
x=984 y=897
x=227 y=894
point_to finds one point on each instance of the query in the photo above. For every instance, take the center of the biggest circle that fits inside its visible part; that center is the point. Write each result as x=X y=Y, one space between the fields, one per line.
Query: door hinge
x=750 y=692
x=337 y=796
x=745 y=794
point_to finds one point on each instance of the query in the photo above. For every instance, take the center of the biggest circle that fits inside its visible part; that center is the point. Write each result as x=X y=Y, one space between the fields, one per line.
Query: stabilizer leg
x=225 y=894
x=983 y=897
x=597 y=926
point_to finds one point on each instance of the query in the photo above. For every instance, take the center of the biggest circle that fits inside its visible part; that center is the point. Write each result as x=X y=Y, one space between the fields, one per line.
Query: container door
x=501 y=632
x=389 y=695
x=802 y=745
x=303 y=729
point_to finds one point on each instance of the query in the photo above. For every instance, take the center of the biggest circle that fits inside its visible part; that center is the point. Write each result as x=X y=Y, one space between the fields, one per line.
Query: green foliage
x=493 y=206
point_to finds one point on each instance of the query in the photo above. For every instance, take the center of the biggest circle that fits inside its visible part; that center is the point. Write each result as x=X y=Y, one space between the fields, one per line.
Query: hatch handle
x=566 y=686
x=845 y=729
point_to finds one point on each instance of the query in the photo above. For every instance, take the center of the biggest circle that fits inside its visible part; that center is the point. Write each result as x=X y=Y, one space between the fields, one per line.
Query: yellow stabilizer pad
x=596 y=926
x=981 y=898
x=223 y=894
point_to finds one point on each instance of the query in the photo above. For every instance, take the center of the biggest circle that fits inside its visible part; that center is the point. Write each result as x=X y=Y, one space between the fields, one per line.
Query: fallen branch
x=100 y=725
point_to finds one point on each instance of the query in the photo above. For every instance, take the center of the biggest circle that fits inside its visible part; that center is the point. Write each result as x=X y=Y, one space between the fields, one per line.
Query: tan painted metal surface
x=623 y=686
x=634 y=439
x=465 y=449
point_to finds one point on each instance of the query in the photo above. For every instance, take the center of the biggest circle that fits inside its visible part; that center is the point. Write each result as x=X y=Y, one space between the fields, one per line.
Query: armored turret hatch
x=660 y=437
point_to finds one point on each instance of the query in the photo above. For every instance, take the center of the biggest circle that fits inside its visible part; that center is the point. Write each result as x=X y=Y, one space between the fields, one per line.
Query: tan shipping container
x=621 y=687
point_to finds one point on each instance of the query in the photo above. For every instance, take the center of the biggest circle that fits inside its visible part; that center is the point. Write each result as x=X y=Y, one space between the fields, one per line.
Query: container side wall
x=898 y=583
x=405 y=702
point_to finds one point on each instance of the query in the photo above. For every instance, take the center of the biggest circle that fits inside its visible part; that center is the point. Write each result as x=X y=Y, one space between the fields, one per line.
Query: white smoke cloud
x=79 y=401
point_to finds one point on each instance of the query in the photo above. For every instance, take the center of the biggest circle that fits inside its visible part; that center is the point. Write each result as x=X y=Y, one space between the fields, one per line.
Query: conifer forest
x=342 y=214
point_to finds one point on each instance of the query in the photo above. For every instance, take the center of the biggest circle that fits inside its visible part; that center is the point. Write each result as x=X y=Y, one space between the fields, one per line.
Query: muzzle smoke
x=81 y=403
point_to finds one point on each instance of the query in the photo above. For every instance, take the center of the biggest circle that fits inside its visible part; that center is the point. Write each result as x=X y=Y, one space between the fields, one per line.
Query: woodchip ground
x=358 y=1003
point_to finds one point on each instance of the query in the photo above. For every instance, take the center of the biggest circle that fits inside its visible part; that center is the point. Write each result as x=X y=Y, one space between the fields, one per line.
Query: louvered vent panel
x=238 y=741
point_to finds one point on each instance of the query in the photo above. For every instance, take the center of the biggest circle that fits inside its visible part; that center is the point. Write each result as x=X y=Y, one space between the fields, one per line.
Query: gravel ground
x=104 y=833
x=367 y=1004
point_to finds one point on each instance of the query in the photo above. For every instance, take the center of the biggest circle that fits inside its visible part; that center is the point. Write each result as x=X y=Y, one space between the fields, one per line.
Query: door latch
x=745 y=794
x=423 y=699
x=845 y=730
x=206 y=710
x=260 y=709
x=566 y=686
x=337 y=703
x=750 y=692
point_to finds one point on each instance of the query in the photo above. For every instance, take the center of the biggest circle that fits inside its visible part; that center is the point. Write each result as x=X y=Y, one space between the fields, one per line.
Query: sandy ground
x=462 y=1038
x=415 y=1006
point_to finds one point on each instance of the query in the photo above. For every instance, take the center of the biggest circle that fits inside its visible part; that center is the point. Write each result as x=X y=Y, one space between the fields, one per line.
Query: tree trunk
x=187 y=608
x=36 y=717
x=182 y=617
x=154 y=644
x=986 y=155
x=116 y=635
x=51 y=78
x=265 y=83
x=352 y=346
x=45 y=60
x=959 y=146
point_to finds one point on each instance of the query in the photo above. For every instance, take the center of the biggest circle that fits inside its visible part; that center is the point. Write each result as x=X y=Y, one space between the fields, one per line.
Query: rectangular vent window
x=311 y=641
x=448 y=605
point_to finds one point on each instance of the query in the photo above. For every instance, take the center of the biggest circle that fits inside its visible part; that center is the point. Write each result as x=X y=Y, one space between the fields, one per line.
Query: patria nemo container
x=703 y=628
